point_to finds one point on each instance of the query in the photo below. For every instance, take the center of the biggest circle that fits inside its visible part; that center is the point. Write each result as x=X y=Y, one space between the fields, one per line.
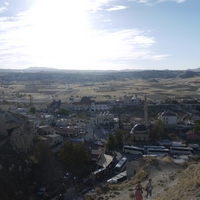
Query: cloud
x=2 y=9
x=23 y=44
x=152 y=2
x=95 y=5
x=116 y=8
x=180 y=1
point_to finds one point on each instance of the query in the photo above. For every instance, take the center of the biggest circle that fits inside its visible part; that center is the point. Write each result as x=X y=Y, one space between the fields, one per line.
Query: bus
x=181 y=150
x=152 y=147
x=133 y=150
x=121 y=165
x=178 y=144
x=157 y=152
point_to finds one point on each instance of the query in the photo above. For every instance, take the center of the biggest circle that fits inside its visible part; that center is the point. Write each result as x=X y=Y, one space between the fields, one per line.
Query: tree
x=196 y=127
x=42 y=153
x=111 y=143
x=74 y=154
x=64 y=111
x=158 y=129
x=32 y=110
x=48 y=169
x=85 y=99
x=120 y=134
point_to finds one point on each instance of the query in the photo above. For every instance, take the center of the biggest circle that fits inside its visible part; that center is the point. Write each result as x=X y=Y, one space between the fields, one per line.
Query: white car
x=112 y=180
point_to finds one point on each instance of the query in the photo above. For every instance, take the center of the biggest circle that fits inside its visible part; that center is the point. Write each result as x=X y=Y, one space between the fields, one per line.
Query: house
x=104 y=118
x=78 y=106
x=89 y=105
x=190 y=104
x=132 y=101
x=22 y=111
x=45 y=130
x=46 y=119
x=193 y=136
x=61 y=122
x=67 y=132
x=54 y=141
x=196 y=116
x=34 y=119
x=99 y=106
x=127 y=126
x=168 y=117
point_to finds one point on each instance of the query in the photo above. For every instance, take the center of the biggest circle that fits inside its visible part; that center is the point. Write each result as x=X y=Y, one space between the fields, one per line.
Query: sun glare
x=59 y=33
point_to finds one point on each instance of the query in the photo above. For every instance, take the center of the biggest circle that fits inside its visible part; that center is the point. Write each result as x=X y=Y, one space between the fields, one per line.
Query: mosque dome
x=139 y=128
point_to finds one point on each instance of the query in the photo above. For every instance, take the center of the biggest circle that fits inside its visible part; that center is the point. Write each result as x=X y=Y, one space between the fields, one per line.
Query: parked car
x=112 y=180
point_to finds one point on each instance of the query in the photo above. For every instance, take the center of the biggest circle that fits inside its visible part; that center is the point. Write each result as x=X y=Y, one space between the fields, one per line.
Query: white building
x=80 y=106
x=104 y=118
x=99 y=106
x=168 y=117
x=62 y=122
x=55 y=141
x=46 y=119
x=132 y=101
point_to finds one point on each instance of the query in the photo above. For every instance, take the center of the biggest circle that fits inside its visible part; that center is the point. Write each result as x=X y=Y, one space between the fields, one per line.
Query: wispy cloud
x=23 y=45
x=95 y=5
x=180 y=1
x=3 y=8
x=116 y=8
x=177 y=1
x=152 y=2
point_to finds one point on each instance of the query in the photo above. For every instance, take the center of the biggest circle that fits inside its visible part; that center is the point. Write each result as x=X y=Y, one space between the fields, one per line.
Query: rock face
x=17 y=130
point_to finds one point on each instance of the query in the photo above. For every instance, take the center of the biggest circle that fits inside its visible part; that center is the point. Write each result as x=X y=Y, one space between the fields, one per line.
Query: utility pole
x=145 y=111
x=31 y=100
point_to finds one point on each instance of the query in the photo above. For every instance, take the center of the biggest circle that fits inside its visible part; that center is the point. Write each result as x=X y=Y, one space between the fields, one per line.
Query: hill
x=89 y=76
x=172 y=180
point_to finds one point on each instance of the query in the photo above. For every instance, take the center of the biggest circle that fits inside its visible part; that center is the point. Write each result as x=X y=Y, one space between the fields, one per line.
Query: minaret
x=145 y=111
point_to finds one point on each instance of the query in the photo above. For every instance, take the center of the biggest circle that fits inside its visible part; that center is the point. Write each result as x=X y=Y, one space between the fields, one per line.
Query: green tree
x=198 y=108
x=85 y=99
x=196 y=126
x=42 y=153
x=47 y=167
x=112 y=143
x=33 y=110
x=158 y=129
x=64 y=111
x=120 y=134
x=74 y=154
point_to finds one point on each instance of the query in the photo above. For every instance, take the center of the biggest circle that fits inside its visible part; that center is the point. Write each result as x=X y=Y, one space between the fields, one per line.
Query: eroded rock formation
x=17 y=130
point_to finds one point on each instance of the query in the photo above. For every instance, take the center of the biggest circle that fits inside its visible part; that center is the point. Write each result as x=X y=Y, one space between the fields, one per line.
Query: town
x=64 y=149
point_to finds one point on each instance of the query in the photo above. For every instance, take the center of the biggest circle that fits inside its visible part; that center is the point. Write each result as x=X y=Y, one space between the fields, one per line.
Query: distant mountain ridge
x=84 y=76
x=39 y=69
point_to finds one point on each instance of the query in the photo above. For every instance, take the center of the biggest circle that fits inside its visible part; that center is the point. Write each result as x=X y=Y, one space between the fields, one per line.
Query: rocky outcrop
x=17 y=131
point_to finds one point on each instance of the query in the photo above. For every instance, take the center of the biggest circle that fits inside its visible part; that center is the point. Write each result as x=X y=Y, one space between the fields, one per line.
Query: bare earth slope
x=171 y=181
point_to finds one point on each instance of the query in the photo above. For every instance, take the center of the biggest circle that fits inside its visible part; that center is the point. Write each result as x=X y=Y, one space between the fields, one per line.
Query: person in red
x=138 y=192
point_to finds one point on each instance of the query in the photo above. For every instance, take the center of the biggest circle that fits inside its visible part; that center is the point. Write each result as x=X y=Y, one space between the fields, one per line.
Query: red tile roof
x=193 y=136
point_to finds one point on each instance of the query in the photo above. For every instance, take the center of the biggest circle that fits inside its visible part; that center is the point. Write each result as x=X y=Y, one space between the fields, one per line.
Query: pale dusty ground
x=171 y=181
x=155 y=89
x=163 y=177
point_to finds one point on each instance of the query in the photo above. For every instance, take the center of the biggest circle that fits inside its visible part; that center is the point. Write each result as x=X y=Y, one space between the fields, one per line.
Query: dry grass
x=171 y=181
x=187 y=187
x=154 y=90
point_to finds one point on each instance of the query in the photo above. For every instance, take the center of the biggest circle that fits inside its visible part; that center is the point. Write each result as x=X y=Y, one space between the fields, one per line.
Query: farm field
x=155 y=89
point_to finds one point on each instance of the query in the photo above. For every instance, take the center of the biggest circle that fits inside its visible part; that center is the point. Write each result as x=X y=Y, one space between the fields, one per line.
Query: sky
x=100 y=34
